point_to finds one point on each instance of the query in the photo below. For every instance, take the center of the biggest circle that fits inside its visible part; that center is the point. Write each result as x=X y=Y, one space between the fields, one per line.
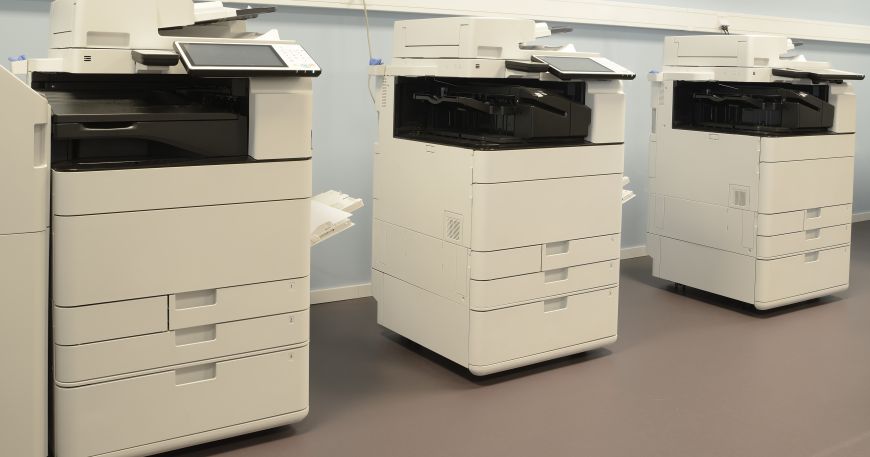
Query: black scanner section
x=134 y=121
x=491 y=113
x=773 y=109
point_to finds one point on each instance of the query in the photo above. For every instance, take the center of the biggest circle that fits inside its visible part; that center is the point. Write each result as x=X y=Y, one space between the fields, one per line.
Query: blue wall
x=345 y=120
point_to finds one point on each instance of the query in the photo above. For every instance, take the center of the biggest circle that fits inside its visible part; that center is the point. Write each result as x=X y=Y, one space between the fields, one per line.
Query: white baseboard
x=633 y=252
x=341 y=293
x=860 y=217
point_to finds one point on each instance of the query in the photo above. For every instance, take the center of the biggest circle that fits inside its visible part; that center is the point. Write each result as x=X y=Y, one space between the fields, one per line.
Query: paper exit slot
x=330 y=215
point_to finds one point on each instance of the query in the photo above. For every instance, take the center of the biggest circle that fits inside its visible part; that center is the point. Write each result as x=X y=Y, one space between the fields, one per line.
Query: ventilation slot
x=384 y=90
x=739 y=196
x=88 y=58
x=452 y=226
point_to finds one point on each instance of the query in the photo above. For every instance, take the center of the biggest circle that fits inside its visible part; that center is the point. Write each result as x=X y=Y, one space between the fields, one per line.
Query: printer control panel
x=296 y=57
x=235 y=59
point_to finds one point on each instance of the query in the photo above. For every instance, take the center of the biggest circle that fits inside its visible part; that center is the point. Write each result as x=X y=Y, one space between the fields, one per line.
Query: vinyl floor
x=692 y=375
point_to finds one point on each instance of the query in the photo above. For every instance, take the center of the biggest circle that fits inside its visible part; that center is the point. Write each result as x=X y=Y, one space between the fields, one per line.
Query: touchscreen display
x=574 y=64
x=232 y=55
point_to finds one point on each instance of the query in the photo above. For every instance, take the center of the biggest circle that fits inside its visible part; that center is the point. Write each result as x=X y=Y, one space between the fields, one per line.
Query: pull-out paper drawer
x=808 y=240
x=102 y=418
x=506 y=262
x=119 y=256
x=497 y=293
x=551 y=256
x=794 y=186
x=806 y=147
x=77 y=193
x=801 y=274
x=107 y=321
x=519 y=331
x=580 y=252
x=547 y=163
x=108 y=358
x=807 y=219
x=213 y=306
x=527 y=213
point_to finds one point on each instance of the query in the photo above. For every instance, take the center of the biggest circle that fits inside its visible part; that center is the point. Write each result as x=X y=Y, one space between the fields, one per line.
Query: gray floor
x=692 y=375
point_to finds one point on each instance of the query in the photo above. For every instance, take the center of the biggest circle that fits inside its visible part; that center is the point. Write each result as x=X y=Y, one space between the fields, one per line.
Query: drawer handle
x=195 y=335
x=39 y=155
x=557 y=304
x=555 y=275
x=811 y=257
x=814 y=234
x=814 y=213
x=197 y=299
x=192 y=375
x=561 y=247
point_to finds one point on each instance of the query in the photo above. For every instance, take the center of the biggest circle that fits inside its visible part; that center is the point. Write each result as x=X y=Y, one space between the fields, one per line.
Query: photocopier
x=498 y=188
x=156 y=221
x=751 y=169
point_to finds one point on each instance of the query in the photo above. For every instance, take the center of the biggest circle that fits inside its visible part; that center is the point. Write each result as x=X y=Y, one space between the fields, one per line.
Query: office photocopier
x=751 y=170
x=164 y=154
x=497 y=193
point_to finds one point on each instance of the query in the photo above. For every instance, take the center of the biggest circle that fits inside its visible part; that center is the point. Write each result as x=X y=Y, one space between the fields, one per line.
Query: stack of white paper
x=212 y=11
x=627 y=195
x=330 y=214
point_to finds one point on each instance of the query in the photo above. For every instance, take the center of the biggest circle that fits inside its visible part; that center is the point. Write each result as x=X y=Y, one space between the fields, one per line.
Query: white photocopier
x=751 y=170
x=164 y=154
x=498 y=178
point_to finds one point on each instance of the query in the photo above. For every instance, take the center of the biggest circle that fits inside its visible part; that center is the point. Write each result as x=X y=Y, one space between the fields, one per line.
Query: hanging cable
x=372 y=60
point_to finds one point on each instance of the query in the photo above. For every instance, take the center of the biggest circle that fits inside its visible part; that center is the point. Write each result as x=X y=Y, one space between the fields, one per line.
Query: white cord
x=371 y=54
x=368 y=29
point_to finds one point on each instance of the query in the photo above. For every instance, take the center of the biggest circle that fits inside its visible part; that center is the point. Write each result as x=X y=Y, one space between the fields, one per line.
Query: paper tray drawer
x=226 y=304
x=119 y=256
x=808 y=219
x=532 y=259
x=86 y=362
x=808 y=240
x=101 y=418
x=519 y=331
x=801 y=274
x=106 y=321
x=78 y=193
x=547 y=163
x=486 y=295
x=510 y=215
x=798 y=185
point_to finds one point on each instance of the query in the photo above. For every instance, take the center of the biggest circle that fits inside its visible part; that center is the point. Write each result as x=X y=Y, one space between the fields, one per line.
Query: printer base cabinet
x=496 y=340
x=182 y=407
x=764 y=283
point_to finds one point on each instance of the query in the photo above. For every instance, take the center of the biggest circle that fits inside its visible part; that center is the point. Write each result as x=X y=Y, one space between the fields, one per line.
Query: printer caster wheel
x=680 y=288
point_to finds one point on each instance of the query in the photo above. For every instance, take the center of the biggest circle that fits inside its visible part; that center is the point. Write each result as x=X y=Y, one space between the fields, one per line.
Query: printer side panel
x=23 y=270
x=24 y=124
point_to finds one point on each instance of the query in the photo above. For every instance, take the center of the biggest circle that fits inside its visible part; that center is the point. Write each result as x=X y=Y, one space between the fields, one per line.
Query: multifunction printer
x=751 y=169
x=498 y=182
x=163 y=153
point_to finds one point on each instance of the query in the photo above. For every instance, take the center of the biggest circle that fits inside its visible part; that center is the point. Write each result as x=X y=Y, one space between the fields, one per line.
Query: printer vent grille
x=740 y=196
x=88 y=58
x=384 y=93
x=452 y=226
